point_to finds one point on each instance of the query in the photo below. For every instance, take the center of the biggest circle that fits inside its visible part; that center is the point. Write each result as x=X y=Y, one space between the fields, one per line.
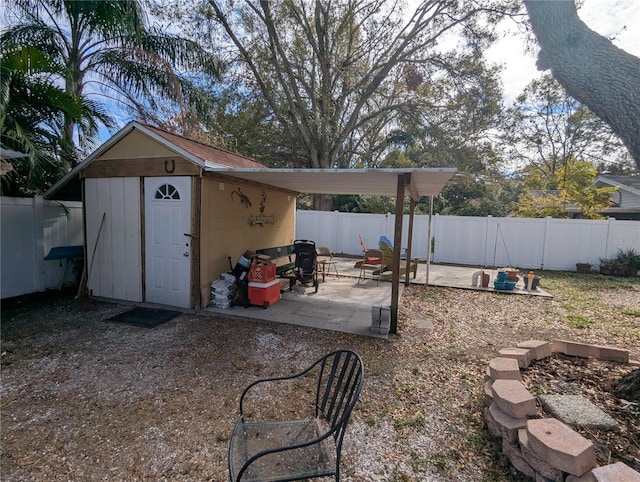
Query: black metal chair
x=300 y=448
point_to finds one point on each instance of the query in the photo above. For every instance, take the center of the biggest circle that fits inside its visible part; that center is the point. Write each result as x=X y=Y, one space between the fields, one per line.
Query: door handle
x=185 y=254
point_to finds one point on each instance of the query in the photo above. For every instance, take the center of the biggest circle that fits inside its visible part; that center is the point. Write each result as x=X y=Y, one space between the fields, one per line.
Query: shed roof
x=420 y=182
x=212 y=156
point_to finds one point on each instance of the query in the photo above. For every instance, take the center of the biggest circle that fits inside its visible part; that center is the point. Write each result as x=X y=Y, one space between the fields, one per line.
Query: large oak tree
x=592 y=70
x=337 y=73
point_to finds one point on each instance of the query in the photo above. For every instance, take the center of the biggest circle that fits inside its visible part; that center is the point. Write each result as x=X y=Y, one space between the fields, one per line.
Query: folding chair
x=373 y=261
x=327 y=262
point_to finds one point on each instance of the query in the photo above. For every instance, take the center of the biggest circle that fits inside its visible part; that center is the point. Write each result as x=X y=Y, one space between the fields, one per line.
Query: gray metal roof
x=424 y=182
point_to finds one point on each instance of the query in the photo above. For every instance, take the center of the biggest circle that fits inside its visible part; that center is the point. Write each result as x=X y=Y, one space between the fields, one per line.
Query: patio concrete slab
x=342 y=304
x=446 y=276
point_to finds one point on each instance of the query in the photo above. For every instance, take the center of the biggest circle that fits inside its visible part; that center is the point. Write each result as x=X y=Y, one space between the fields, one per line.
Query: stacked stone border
x=544 y=449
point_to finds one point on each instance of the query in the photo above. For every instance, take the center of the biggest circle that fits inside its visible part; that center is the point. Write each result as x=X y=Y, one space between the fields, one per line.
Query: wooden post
x=403 y=180
x=426 y=282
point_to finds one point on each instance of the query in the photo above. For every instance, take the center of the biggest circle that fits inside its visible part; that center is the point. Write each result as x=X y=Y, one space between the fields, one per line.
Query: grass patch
x=579 y=295
x=631 y=312
x=414 y=421
x=578 y=321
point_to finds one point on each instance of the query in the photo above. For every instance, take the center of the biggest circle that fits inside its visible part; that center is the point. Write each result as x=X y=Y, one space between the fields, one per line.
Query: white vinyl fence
x=29 y=228
x=553 y=244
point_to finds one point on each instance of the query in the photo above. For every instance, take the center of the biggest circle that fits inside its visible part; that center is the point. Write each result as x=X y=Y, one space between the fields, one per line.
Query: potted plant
x=583 y=267
x=607 y=266
x=628 y=262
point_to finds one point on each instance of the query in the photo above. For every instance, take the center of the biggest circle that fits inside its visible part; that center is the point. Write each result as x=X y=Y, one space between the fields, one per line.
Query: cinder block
x=618 y=472
x=513 y=398
x=539 y=349
x=502 y=425
x=522 y=355
x=561 y=447
x=504 y=369
x=539 y=465
x=380 y=319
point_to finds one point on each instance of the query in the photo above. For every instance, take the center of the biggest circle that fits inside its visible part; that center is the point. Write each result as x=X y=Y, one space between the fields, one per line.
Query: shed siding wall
x=136 y=144
x=115 y=272
x=226 y=229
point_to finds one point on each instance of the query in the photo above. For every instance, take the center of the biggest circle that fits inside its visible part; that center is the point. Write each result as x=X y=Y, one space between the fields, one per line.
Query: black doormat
x=147 y=317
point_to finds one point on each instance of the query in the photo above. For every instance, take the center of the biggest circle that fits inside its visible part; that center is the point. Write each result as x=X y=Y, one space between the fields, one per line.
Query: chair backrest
x=384 y=239
x=387 y=253
x=364 y=246
x=373 y=257
x=339 y=385
x=324 y=251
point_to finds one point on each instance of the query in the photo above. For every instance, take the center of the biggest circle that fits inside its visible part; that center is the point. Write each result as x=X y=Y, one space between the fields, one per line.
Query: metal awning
x=391 y=182
x=423 y=182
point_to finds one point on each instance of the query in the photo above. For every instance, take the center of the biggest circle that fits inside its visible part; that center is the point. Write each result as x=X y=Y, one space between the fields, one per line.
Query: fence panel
x=29 y=228
x=526 y=243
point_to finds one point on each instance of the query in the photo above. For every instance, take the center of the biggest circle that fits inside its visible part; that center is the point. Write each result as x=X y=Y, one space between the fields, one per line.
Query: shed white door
x=167 y=214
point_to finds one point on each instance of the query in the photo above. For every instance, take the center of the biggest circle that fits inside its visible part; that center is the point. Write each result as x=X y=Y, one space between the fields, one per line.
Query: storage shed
x=162 y=215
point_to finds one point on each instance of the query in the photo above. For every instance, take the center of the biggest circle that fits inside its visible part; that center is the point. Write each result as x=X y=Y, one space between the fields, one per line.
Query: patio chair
x=327 y=262
x=388 y=261
x=301 y=448
x=364 y=250
x=384 y=239
x=373 y=261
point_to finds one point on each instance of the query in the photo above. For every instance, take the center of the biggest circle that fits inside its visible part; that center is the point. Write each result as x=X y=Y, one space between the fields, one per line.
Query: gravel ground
x=84 y=399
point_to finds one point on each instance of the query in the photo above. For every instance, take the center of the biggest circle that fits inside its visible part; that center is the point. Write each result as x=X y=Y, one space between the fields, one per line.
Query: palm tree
x=105 y=48
x=32 y=110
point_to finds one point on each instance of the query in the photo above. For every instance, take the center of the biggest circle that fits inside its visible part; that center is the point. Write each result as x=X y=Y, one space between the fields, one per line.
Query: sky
x=617 y=19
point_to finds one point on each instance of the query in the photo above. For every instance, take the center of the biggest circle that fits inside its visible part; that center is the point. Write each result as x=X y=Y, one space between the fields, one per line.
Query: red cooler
x=264 y=294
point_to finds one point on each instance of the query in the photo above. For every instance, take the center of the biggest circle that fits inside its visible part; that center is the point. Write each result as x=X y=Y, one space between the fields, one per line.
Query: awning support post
x=403 y=180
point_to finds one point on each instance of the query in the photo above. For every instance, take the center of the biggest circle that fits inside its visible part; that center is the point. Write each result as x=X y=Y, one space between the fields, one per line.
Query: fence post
x=335 y=247
x=486 y=240
x=610 y=223
x=38 y=243
x=547 y=220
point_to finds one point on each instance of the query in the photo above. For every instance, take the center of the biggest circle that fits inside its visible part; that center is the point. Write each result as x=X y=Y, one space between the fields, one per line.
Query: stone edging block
x=553 y=451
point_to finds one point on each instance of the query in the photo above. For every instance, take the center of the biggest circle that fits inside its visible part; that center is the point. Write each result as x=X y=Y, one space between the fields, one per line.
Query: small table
x=326 y=266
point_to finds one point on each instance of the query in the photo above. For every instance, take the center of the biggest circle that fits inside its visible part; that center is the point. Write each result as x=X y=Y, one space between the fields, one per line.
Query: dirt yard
x=84 y=399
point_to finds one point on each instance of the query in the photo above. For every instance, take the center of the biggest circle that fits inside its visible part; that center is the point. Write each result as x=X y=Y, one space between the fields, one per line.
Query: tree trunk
x=628 y=387
x=591 y=69
x=322 y=202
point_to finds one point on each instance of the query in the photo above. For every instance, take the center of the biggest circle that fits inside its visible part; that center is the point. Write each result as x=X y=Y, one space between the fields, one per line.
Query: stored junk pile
x=252 y=281
x=223 y=291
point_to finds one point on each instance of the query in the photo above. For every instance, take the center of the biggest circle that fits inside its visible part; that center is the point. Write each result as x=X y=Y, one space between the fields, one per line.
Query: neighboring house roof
x=206 y=156
x=625 y=202
x=627 y=183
